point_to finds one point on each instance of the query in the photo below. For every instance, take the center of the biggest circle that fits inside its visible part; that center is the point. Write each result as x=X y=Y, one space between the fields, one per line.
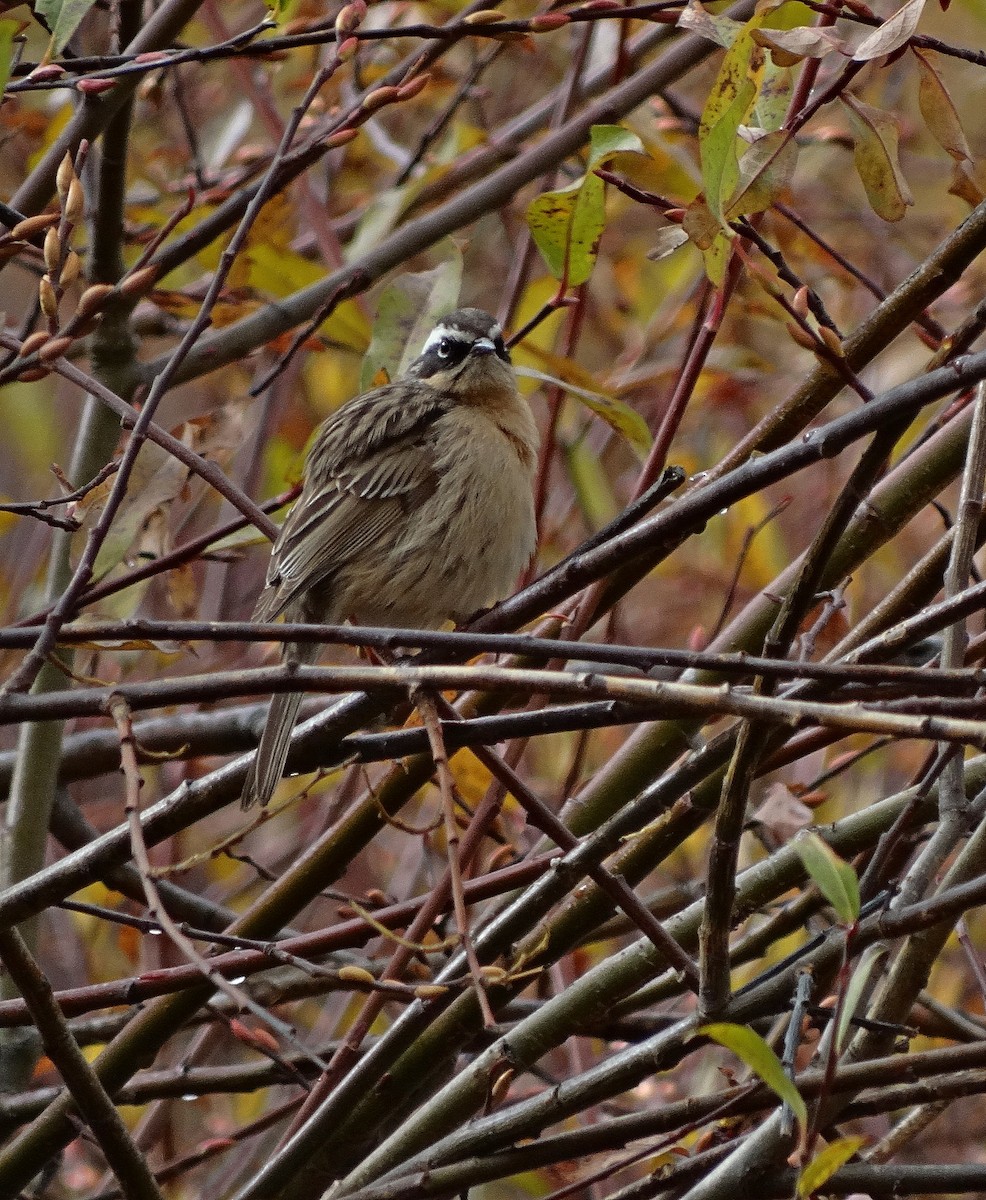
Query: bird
x=416 y=507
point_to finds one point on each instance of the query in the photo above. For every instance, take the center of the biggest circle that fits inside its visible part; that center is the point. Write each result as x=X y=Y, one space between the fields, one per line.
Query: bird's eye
x=444 y=348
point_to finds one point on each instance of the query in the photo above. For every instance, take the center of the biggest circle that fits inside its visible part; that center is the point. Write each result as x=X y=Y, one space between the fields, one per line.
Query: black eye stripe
x=434 y=360
x=453 y=340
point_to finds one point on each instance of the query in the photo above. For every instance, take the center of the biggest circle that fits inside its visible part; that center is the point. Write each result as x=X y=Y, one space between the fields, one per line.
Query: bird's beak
x=483 y=346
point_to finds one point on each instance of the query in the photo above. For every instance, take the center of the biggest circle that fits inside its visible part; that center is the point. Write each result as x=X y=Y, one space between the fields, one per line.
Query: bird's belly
x=464 y=549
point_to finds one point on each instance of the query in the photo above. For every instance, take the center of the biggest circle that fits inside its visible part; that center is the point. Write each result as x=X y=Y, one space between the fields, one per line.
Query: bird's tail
x=267 y=767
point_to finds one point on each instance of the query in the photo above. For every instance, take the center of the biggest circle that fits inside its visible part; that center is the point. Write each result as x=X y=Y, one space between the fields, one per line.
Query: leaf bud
x=341 y=137
x=66 y=173
x=544 y=22
x=350 y=17
x=430 y=991
x=81 y=329
x=379 y=97
x=53 y=251
x=92 y=300
x=54 y=349
x=413 y=87
x=832 y=340
x=48 y=297
x=95 y=87
x=501 y=1086
x=75 y=203
x=260 y=1038
x=139 y=281
x=48 y=71
x=801 y=336
x=32 y=343
x=24 y=230
x=354 y=974
x=71 y=269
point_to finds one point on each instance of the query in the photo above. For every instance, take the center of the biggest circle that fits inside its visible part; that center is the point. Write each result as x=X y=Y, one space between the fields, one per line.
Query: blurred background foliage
x=664 y=273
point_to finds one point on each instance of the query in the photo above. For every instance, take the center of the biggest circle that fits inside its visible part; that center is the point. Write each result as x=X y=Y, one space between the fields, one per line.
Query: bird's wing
x=370 y=463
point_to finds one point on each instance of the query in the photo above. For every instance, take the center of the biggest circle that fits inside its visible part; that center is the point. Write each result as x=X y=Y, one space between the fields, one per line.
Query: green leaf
x=716 y=258
x=407 y=310
x=593 y=484
x=8 y=28
x=606 y=141
x=549 y=218
x=63 y=18
x=710 y=237
x=718 y=151
x=280 y=10
x=836 y=879
x=774 y=98
x=566 y=224
x=762 y=1061
x=380 y=218
x=158 y=479
x=727 y=108
x=787 y=15
x=870 y=959
x=588 y=223
x=825 y=1164
x=875 y=153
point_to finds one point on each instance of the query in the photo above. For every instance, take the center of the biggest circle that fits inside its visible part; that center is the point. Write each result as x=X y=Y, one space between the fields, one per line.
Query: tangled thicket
x=693 y=910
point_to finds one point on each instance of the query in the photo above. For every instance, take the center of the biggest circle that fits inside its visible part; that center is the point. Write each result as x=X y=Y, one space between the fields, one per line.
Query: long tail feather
x=267 y=767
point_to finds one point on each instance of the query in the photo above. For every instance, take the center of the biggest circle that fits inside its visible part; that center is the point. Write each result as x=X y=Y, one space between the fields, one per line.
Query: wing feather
x=369 y=465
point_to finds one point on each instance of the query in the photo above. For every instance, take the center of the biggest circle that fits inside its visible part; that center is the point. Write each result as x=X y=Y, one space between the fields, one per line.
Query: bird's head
x=465 y=355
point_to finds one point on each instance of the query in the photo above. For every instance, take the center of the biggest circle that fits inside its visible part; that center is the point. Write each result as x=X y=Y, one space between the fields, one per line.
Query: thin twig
x=120 y=712
x=425 y=705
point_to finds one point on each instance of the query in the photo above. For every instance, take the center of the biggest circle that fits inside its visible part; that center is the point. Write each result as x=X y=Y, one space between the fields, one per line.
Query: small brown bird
x=417 y=506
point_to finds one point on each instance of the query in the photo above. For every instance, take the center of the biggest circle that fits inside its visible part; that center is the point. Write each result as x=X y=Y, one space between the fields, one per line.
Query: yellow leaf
x=616 y=413
x=939 y=112
x=749 y=1046
x=875 y=136
x=825 y=1164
